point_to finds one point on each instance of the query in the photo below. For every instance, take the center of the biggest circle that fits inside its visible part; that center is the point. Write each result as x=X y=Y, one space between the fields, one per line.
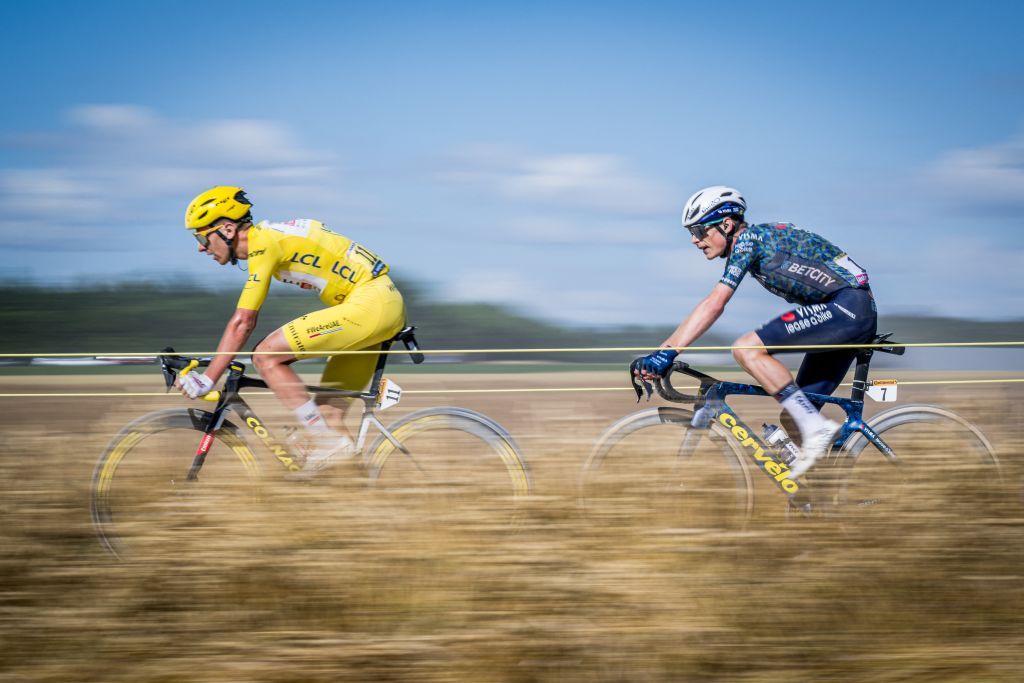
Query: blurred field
x=331 y=581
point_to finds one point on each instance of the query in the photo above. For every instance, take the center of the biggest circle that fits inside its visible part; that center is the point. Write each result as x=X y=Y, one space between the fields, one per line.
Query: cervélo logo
x=777 y=470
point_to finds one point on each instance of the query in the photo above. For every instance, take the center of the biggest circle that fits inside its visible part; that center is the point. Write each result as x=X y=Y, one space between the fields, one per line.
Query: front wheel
x=651 y=470
x=931 y=466
x=141 y=499
x=452 y=461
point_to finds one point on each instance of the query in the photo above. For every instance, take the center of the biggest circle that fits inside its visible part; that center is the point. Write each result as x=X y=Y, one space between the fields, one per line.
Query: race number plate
x=883 y=390
x=389 y=394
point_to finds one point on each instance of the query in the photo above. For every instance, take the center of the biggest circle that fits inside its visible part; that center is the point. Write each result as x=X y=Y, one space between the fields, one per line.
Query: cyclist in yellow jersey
x=364 y=309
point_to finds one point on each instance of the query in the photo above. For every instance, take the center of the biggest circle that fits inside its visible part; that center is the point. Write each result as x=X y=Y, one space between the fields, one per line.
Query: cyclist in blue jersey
x=834 y=306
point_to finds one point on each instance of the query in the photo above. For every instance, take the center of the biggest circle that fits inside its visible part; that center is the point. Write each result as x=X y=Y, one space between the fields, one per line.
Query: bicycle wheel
x=652 y=470
x=941 y=468
x=140 y=497
x=450 y=461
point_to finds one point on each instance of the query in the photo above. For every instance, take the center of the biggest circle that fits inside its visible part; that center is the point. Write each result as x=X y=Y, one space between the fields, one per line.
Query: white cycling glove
x=196 y=385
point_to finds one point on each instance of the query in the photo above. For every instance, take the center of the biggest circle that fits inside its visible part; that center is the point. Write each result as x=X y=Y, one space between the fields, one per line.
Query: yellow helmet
x=219 y=202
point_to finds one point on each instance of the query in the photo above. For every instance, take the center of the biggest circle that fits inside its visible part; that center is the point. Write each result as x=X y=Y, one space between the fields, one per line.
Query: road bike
x=153 y=472
x=693 y=468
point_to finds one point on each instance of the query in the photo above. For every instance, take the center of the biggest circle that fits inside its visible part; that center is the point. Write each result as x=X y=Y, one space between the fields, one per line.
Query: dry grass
x=331 y=581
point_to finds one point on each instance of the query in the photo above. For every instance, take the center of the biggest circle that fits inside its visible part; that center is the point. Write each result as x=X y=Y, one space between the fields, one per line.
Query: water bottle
x=780 y=443
x=297 y=442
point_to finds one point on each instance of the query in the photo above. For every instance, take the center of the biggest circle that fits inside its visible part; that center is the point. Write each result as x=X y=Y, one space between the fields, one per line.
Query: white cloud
x=593 y=182
x=121 y=164
x=982 y=178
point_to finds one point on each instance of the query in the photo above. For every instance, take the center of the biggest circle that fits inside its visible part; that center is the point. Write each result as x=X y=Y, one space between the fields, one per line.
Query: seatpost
x=860 y=375
x=378 y=372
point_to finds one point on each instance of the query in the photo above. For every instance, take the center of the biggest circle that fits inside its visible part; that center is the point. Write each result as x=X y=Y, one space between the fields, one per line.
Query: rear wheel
x=446 y=463
x=141 y=500
x=941 y=468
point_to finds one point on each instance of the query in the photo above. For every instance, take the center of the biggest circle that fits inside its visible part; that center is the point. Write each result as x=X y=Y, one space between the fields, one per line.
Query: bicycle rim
x=141 y=501
x=652 y=471
x=942 y=469
x=458 y=463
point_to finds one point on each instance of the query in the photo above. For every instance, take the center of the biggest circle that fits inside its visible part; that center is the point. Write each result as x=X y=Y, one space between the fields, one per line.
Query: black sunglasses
x=700 y=231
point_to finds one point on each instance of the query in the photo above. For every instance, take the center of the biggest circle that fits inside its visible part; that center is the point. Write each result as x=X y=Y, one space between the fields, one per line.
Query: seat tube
x=860 y=375
x=382 y=360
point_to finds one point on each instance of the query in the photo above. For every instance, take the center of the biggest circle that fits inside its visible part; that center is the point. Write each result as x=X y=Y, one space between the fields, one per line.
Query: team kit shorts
x=849 y=317
x=372 y=313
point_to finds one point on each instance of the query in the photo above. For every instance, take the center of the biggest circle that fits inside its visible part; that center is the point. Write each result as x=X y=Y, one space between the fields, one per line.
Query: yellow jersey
x=304 y=252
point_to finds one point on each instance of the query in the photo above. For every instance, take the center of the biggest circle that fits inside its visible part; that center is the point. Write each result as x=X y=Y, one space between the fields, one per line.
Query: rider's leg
x=815 y=430
x=778 y=381
x=755 y=359
x=849 y=317
x=370 y=314
x=350 y=372
x=275 y=368
x=819 y=373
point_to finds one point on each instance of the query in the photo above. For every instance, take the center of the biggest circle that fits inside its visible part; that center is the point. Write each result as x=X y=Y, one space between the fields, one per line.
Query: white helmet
x=712 y=204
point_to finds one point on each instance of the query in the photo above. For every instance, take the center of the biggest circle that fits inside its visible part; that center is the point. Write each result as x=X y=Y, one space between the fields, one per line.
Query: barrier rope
x=541 y=390
x=114 y=357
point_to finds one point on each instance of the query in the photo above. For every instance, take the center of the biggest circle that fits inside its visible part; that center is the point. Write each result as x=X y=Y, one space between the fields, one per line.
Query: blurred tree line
x=146 y=317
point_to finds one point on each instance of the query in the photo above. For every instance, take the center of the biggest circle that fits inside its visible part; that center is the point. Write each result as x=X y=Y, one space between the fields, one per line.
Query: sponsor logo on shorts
x=807 y=317
x=321 y=330
x=849 y=313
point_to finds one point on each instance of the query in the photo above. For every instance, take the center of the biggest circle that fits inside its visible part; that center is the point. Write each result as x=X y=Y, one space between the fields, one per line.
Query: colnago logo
x=811 y=273
x=777 y=470
x=277 y=449
x=809 y=316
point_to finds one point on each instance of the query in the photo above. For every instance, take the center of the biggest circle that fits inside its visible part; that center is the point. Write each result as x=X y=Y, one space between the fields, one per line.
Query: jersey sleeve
x=743 y=255
x=262 y=261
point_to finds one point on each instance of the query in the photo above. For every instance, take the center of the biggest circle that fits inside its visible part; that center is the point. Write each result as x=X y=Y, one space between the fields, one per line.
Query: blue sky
x=532 y=154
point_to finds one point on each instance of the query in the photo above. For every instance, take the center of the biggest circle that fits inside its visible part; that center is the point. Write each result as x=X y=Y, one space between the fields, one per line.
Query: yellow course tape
x=134 y=354
x=487 y=391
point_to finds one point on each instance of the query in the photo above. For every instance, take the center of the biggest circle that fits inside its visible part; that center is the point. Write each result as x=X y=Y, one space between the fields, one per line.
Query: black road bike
x=151 y=473
x=693 y=468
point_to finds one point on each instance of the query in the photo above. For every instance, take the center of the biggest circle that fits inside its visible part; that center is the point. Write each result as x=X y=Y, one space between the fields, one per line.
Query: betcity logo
x=811 y=273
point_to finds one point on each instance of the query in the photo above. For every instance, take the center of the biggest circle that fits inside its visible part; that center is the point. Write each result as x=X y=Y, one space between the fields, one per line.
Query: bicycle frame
x=710 y=406
x=230 y=399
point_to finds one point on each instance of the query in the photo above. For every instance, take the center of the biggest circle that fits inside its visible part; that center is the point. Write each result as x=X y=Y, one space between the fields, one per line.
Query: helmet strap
x=728 y=240
x=230 y=241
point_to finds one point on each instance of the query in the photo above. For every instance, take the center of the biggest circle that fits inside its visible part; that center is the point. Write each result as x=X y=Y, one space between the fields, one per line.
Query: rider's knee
x=264 y=361
x=742 y=349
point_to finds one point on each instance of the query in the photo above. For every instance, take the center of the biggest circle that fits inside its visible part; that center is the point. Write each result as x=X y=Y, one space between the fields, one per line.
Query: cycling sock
x=804 y=413
x=309 y=416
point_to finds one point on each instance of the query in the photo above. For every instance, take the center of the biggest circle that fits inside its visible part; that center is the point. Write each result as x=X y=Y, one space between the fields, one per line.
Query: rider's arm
x=236 y=333
x=701 y=318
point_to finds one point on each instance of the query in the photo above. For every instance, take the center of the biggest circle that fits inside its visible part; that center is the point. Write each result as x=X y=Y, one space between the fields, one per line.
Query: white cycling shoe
x=814 y=446
x=328 y=453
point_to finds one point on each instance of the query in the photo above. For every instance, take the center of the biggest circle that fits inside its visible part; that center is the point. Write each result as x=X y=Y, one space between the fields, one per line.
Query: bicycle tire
x=452 y=460
x=628 y=480
x=943 y=466
x=131 y=494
